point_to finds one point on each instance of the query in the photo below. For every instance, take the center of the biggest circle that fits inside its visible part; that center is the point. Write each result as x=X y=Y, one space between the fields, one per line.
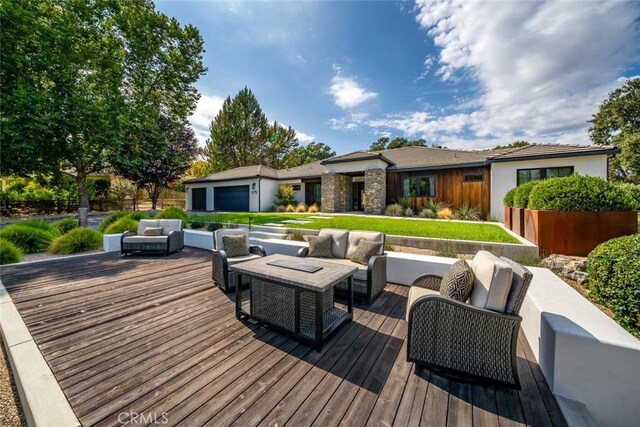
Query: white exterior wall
x=504 y=176
x=268 y=189
x=300 y=193
x=208 y=186
x=357 y=166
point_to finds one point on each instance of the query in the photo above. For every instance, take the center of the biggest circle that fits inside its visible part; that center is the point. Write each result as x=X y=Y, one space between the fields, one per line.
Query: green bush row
x=614 y=279
x=574 y=193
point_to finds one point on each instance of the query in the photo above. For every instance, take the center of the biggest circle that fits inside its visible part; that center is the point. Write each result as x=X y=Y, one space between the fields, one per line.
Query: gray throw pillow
x=152 y=231
x=320 y=247
x=365 y=250
x=235 y=245
x=457 y=282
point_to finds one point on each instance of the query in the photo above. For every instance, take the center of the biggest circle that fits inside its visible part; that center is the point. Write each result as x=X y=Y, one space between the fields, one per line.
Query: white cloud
x=305 y=138
x=350 y=122
x=207 y=108
x=542 y=68
x=347 y=92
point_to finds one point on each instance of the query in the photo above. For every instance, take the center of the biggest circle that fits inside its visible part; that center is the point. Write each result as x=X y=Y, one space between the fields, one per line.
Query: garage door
x=231 y=199
x=199 y=199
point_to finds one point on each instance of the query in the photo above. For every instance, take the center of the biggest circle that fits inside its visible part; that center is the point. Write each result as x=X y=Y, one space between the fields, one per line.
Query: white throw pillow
x=492 y=281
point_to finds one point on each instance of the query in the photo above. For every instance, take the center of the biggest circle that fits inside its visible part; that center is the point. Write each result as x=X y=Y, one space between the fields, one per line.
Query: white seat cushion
x=169 y=225
x=416 y=292
x=243 y=258
x=144 y=223
x=230 y=232
x=492 y=281
x=361 y=274
x=146 y=239
x=356 y=236
x=340 y=241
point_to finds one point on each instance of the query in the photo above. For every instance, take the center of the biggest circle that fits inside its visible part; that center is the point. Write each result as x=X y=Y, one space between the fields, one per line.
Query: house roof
x=415 y=157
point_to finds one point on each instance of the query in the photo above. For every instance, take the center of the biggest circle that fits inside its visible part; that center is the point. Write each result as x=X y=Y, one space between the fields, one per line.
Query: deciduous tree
x=312 y=152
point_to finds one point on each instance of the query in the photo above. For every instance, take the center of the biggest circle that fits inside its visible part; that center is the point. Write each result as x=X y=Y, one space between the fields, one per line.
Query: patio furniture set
x=464 y=324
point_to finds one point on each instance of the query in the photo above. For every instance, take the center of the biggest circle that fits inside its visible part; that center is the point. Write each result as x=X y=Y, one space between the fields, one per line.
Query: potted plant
x=508 y=206
x=572 y=215
x=520 y=202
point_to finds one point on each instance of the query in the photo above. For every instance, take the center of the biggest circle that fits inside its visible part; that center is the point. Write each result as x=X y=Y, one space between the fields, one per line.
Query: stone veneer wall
x=375 y=191
x=336 y=192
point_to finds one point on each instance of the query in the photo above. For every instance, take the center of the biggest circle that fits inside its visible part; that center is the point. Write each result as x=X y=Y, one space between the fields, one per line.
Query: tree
x=383 y=143
x=82 y=79
x=312 y=152
x=617 y=123
x=516 y=144
x=166 y=159
x=199 y=169
x=241 y=135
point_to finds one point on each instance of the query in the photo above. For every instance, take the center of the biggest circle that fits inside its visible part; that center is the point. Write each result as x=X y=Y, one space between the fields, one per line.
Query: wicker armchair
x=222 y=271
x=171 y=240
x=369 y=281
x=461 y=340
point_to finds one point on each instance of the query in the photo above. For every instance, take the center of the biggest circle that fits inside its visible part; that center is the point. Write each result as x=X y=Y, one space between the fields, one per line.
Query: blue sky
x=464 y=74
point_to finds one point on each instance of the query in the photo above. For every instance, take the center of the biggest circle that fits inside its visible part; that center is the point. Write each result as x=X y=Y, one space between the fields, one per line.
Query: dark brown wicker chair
x=222 y=271
x=464 y=341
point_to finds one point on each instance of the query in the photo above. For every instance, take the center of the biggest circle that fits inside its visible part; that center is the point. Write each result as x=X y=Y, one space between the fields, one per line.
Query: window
x=317 y=193
x=296 y=187
x=419 y=187
x=526 y=175
x=474 y=178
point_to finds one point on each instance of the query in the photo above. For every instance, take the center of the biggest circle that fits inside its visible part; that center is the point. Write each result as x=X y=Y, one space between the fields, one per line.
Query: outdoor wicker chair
x=222 y=266
x=370 y=280
x=170 y=239
x=464 y=341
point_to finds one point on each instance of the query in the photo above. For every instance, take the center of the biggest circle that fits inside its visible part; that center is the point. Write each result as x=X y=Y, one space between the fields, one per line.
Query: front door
x=199 y=199
x=358 y=196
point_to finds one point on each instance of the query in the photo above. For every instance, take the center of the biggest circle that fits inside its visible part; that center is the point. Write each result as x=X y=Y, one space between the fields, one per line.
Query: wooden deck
x=153 y=336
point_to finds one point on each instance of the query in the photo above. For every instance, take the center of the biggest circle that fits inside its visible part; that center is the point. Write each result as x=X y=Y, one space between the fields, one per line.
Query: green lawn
x=486 y=232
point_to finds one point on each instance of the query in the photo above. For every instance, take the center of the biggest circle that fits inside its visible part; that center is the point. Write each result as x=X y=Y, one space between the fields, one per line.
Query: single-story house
x=368 y=181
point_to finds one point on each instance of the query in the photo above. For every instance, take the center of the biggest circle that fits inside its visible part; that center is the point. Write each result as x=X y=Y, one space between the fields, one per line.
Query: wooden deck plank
x=152 y=335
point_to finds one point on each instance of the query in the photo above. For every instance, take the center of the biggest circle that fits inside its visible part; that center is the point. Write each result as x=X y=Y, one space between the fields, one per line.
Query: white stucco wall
x=268 y=189
x=504 y=176
x=357 y=166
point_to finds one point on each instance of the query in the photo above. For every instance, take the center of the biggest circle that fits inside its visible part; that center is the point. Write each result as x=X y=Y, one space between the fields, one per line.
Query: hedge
x=614 y=279
x=579 y=193
x=521 y=195
x=508 y=198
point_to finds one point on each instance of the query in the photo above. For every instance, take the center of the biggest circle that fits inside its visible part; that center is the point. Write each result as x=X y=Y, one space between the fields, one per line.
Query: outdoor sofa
x=166 y=237
x=370 y=280
x=475 y=338
x=222 y=271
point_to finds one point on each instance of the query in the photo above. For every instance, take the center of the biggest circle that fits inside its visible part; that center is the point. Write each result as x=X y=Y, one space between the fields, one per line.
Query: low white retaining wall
x=584 y=355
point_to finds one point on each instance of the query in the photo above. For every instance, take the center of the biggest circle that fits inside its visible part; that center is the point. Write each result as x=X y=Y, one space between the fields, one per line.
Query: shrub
x=123 y=224
x=290 y=208
x=65 y=225
x=521 y=195
x=313 y=208
x=445 y=213
x=281 y=208
x=467 y=213
x=301 y=208
x=508 y=198
x=111 y=219
x=9 y=253
x=285 y=195
x=77 y=240
x=29 y=239
x=405 y=202
x=196 y=225
x=427 y=213
x=296 y=236
x=579 y=193
x=394 y=210
x=136 y=215
x=614 y=279
x=213 y=226
x=408 y=212
x=173 y=212
x=634 y=193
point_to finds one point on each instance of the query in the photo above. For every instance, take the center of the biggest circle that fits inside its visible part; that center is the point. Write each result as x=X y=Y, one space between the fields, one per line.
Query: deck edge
x=43 y=402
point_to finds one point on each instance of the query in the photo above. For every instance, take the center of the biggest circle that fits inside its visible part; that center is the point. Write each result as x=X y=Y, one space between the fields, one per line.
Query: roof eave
x=555 y=156
x=371 y=157
x=439 y=167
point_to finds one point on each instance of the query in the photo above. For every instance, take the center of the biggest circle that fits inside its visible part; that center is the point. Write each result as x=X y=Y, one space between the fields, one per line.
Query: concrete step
x=266 y=235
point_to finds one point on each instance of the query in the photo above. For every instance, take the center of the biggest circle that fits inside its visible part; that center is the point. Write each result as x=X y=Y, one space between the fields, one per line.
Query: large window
x=526 y=175
x=424 y=186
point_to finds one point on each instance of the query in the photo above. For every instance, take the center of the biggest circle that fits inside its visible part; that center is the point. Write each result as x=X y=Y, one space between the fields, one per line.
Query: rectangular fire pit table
x=288 y=295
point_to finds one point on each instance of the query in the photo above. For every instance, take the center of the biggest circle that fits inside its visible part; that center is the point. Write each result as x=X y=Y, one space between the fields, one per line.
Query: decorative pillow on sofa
x=152 y=231
x=365 y=250
x=320 y=246
x=235 y=245
x=457 y=282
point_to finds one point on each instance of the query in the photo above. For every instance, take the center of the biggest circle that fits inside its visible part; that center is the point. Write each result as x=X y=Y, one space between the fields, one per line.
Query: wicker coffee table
x=295 y=295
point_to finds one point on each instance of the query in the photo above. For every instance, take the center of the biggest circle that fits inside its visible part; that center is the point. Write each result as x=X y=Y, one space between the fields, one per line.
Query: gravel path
x=10 y=410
